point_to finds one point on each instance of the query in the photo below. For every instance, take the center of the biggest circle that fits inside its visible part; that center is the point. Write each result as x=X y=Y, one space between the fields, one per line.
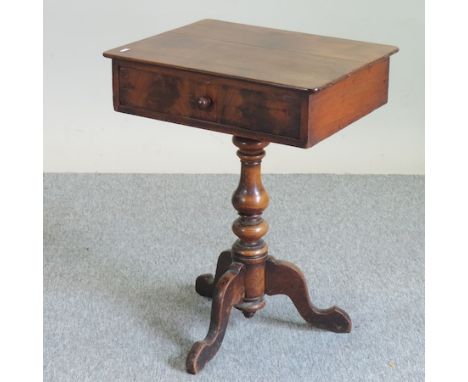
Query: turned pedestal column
x=246 y=273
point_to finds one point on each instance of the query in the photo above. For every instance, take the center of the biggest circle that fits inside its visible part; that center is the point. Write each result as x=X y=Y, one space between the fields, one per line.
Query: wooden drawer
x=168 y=92
x=208 y=101
x=291 y=88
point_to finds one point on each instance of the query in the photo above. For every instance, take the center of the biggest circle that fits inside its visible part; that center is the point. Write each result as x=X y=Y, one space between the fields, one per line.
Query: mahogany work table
x=261 y=85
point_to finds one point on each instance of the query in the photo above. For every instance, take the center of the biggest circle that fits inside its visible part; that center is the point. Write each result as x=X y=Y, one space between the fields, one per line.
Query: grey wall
x=82 y=133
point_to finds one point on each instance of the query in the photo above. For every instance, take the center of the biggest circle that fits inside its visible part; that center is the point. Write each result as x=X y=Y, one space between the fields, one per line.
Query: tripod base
x=227 y=289
x=246 y=273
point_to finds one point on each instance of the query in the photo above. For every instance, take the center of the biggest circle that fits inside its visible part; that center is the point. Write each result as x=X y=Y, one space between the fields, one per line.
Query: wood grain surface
x=253 y=82
x=291 y=59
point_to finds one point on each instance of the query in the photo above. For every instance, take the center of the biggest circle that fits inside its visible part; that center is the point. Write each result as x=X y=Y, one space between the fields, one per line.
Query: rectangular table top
x=267 y=84
x=292 y=59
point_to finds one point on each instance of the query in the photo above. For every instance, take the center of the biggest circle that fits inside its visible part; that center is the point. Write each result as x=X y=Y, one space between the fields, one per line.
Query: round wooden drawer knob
x=204 y=102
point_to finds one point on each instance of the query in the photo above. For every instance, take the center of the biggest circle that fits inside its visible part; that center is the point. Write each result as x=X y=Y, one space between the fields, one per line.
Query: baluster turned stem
x=250 y=199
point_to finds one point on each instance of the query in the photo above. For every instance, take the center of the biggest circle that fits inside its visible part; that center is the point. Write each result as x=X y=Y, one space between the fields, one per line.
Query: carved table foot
x=228 y=291
x=283 y=277
x=204 y=284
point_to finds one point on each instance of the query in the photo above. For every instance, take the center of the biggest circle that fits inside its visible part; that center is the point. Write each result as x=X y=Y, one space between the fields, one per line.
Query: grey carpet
x=121 y=254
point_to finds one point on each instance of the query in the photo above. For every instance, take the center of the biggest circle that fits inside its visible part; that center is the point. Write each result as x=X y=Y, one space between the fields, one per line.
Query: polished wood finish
x=335 y=107
x=250 y=200
x=256 y=273
x=204 y=284
x=229 y=290
x=265 y=55
x=205 y=101
x=285 y=278
x=260 y=83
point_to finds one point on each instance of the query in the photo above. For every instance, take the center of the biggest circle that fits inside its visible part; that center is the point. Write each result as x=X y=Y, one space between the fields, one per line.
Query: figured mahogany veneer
x=229 y=105
x=260 y=83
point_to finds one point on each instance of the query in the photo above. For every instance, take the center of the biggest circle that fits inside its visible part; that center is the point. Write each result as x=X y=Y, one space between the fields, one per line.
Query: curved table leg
x=205 y=283
x=229 y=290
x=283 y=277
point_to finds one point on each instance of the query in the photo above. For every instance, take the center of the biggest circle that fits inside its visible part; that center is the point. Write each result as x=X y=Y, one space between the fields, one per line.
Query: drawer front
x=261 y=108
x=166 y=92
x=232 y=106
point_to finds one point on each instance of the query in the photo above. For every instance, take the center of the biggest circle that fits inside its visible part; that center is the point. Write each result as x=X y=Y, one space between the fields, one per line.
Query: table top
x=290 y=59
x=261 y=83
